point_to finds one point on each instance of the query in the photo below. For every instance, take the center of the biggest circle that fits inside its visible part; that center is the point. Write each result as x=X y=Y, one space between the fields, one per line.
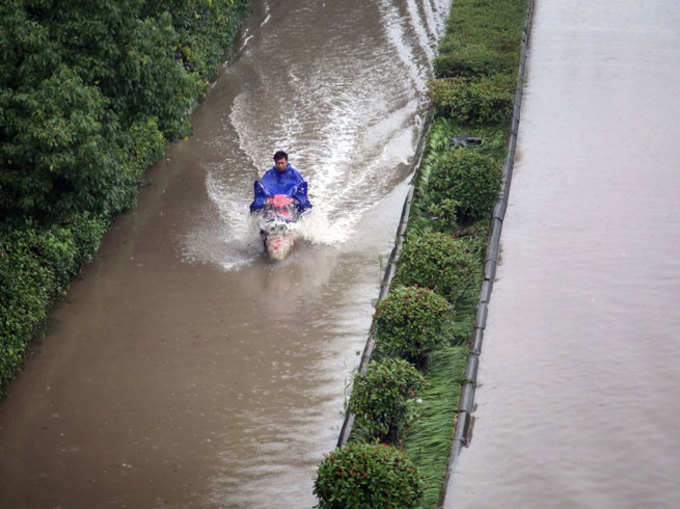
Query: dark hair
x=280 y=155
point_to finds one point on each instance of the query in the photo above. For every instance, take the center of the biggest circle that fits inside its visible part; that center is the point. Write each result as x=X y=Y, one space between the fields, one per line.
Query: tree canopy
x=78 y=77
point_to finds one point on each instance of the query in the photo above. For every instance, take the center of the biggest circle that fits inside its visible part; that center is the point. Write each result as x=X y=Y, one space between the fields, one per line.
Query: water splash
x=424 y=40
x=347 y=112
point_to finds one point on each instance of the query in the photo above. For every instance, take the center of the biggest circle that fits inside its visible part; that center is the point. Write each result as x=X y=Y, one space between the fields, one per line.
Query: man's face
x=281 y=164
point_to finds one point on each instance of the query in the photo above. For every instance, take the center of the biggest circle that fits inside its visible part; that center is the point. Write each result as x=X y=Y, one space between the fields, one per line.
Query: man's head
x=281 y=160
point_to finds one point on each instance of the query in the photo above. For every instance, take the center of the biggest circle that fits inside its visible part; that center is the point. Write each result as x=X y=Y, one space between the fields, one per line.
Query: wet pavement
x=577 y=401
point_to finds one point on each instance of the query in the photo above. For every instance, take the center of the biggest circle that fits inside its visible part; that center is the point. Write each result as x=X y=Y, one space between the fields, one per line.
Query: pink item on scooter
x=280 y=200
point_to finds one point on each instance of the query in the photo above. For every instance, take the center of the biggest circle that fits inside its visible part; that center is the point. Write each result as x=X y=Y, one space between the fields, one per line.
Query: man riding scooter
x=281 y=179
x=280 y=198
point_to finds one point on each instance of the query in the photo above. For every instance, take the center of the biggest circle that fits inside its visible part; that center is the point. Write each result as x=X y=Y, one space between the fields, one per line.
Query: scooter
x=275 y=221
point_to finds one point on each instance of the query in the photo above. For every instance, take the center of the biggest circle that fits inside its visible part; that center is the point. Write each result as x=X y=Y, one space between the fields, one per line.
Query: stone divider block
x=477 y=339
x=482 y=312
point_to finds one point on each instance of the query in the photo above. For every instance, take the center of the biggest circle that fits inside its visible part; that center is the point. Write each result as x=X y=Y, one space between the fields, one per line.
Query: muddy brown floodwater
x=578 y=400
x=183 y=369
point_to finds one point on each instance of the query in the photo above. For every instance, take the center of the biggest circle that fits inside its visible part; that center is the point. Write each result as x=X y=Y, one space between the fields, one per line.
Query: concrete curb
x=466 y=402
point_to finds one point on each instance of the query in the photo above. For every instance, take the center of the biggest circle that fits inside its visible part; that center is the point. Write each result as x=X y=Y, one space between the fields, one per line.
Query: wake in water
x=347 y=109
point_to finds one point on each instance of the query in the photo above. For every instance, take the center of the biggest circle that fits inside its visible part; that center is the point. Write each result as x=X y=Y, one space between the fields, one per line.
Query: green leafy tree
x=55 y=157
x=130 y=58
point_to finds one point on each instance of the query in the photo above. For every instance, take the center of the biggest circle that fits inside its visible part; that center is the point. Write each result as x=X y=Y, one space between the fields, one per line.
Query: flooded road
x=577 y=404
x=184 y=370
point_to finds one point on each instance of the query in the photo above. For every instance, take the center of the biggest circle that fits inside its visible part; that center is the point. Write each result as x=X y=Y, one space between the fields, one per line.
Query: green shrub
x=439 y=210
x=144 y=145
x=367 y=476
x=384 y=398
x=408 y=321
x=137 y=148
x=473 y=103
x=35 y=265
x=439 y=262
x=205 y=31
x=87 y=231
x=471 y=60
x=463 y=186
x=444 y=212
x=26 y=286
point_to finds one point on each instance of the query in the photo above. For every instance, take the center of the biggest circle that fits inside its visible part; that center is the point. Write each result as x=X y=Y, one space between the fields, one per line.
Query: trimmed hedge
x=463 y=186
x=471 y=60
x=472 y=103
x=437 y=261
x=408 y=321
x=384 y=398
x=474 y=27
x=367 y=476
x=35 y=265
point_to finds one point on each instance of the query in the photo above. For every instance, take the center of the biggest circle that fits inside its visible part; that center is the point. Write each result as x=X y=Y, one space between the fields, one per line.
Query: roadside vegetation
x=89 y=94
x=406 y=397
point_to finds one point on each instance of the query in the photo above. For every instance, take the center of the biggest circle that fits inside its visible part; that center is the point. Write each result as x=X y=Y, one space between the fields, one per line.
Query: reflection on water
x=577 y=403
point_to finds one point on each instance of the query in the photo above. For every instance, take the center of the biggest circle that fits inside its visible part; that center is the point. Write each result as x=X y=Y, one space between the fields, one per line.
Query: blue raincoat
x=288 y=182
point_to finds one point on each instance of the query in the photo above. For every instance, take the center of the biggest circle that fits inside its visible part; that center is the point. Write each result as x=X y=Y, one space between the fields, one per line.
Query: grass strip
x=429 y=442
